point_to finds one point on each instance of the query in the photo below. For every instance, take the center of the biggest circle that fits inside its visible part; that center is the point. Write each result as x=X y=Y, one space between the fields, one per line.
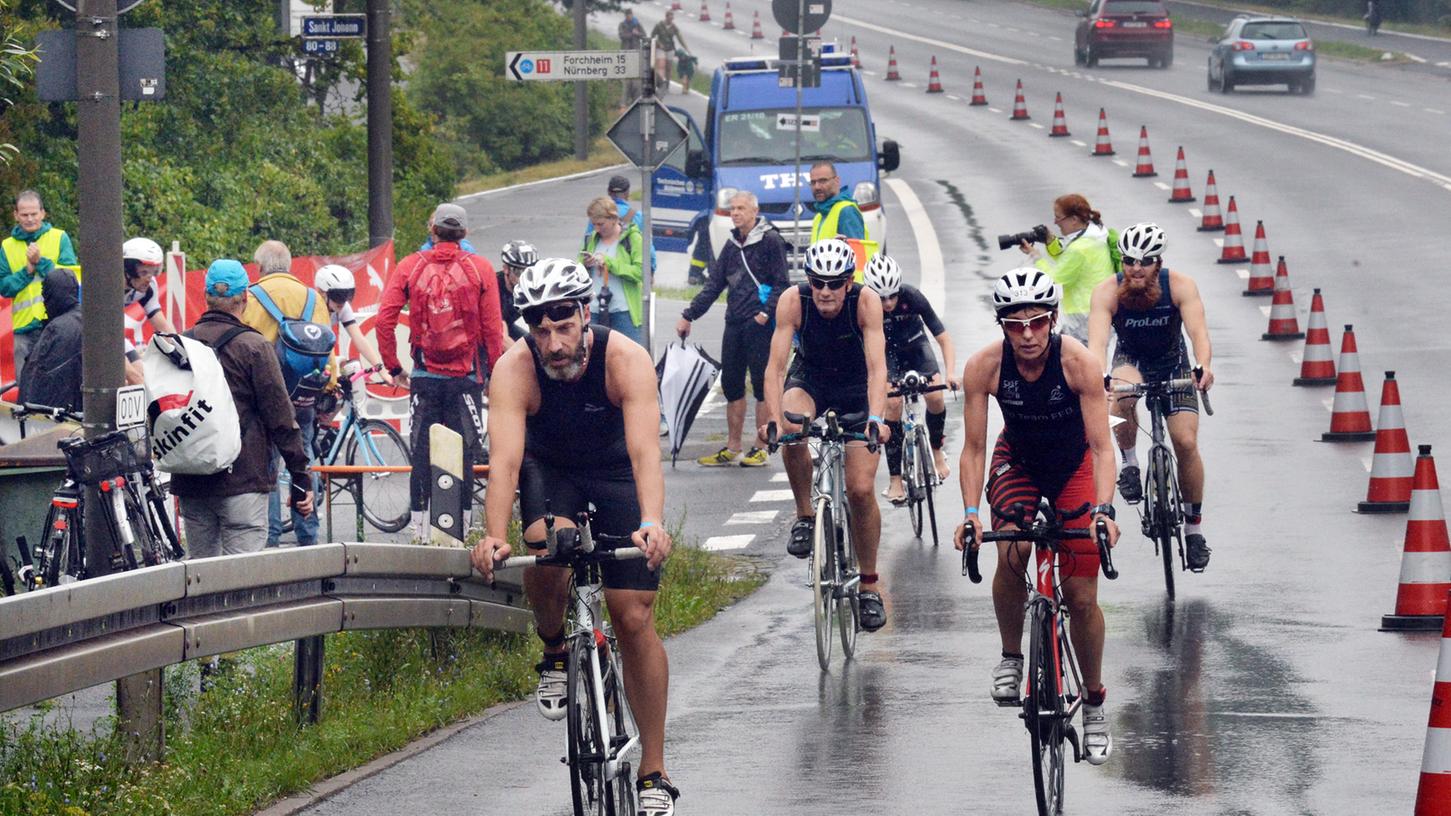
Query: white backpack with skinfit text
x=191 y=418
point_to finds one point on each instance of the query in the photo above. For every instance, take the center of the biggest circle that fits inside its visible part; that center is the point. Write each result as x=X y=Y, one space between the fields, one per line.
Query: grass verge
x=234 y=748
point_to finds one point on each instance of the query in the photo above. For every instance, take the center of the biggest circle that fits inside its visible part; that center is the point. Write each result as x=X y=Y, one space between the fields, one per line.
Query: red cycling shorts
x=1009 y=483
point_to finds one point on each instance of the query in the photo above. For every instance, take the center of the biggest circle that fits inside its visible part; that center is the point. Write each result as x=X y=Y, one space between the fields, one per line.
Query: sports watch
x=1105 y=509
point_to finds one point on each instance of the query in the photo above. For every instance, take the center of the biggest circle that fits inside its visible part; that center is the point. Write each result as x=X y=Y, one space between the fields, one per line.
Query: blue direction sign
x=334 y=26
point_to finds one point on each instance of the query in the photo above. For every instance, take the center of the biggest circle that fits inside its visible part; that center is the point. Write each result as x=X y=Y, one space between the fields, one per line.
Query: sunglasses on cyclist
x=1038 y=323
x=1146 y=262
x=827 y=283
x=563 y=310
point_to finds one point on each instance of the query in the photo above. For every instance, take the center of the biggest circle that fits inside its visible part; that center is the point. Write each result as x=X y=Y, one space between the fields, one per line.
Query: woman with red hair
x=1078 y=261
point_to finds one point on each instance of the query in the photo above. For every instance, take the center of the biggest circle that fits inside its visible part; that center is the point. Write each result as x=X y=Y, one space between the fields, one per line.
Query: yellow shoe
x=755 y=457
x=722 y=457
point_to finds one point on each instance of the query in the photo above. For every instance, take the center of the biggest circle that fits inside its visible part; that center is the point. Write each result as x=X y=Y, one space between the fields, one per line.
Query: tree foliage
x=17 y=64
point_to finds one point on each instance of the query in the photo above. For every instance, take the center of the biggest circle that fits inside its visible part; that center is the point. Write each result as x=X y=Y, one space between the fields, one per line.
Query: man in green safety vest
x=27 y=255
x=837 y=215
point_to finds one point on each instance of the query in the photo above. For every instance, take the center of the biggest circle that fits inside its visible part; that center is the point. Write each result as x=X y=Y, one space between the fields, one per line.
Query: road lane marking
x=1055 y=39
x=1414 y=58
x=1365 y=460
x=1219 y=242
x=1035 y=125
x=1297 y=357
x=1329 y=403
x=780 y=477
x=1196 y=212
x=929 y=253
x=908 y=85
x=1162 y=186
x=1243 y=274
x=1265 y=310
x=954 y=97
x=728 y=542
x=1120 y=162
x=753 y=517
x=1400 y=104
x=993 y=110
x=713 y=400
x=771 y=496
x=1364 y=96
x=1078 y=143
x=1434 y=110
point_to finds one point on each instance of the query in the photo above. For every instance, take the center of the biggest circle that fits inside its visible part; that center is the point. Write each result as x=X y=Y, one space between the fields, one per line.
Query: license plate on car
x=1275 y=56
x=1138 y=24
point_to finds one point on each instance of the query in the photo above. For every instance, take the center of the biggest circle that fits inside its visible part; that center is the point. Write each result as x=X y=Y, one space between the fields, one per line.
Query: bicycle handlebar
x=1041 y=533
x=827 y=427
x=57 y=414
x=1178 y=384
x=621 y=554
x=905 y=391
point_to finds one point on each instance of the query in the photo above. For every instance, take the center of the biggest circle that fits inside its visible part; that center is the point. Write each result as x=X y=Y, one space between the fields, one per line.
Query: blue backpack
x=303 y=347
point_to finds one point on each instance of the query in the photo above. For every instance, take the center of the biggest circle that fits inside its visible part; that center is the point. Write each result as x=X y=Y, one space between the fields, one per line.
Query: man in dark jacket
x=753 y=266
x=226 y=512
x=52 y=376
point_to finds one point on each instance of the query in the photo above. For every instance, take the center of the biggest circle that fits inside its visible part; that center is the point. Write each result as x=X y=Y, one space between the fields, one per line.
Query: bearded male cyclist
x=1146 y=306
x=573 y=419
x=840 y=365
x=1055 y=444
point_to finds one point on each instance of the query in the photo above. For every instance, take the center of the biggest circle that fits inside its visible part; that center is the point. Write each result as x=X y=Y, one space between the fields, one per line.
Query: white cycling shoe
x=1008 y=681
x=1097 y=742
x=553 y=687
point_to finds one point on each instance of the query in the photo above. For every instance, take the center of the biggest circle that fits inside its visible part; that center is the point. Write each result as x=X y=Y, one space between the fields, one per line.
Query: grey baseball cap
x=451 y=215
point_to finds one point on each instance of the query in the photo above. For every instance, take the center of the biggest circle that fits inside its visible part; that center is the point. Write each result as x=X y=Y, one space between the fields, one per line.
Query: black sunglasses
x=827 y=283
x=1139 y=261
x=563 y=310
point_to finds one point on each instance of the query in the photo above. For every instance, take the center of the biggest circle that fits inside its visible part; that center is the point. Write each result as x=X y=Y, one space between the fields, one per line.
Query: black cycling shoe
x=871 y=612
x=799 y=544
x=1130 y=484
x=1196 y=552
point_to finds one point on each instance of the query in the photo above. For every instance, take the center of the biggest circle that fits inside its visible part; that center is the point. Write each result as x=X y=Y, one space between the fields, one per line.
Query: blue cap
x=229 y=272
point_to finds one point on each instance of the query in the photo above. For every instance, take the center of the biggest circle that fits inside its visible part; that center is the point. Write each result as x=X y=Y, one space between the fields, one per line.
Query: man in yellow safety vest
x=838 y=216
x=27 y=255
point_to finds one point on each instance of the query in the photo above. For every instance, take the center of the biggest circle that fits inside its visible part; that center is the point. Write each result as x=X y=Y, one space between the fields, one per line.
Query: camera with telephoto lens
x=1036 y=235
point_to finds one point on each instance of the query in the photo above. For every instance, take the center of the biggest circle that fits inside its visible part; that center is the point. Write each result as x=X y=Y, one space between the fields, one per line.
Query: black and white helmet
x=1142 y=241
x=549 y=281
x=883 y=275
x=830 y=258
x=519 y=254
x=1027 y=286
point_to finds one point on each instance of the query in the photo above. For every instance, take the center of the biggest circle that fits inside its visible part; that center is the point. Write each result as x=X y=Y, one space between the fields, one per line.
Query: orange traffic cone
x=1020 y=105
x=1145 y=166
x=1317 y=366
x=1103 y=147
x=934 y=83
x=1426 y=561
x=1233 y=239
x=730 y=22
x=1182 y=194
x=979 y=97
x=1261 y=274
x=892 y=64
x=1213 y=221
x=675 y=5
x=756 y=33
x=1391 y=464
x=856 y=59
x=1283 y=323
x=1433 y=798
x=1060 y=122
x=704 y=12
x=1349 y=415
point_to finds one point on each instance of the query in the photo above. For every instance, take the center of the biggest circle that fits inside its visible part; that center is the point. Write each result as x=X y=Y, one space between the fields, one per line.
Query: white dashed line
x=1435 y=111
x=1055 y=39
x=771 y=496
x=1400 y=104
x=1078 y=143
x=753 y=517
x=908 y=85
x=1365 y=460
x=954 y=97
x=778 y=478
x=1242 y=273
x=1298 y=357
x=1162 y=186
x=1443 y=65
x=729 y=542
x=1035 y=125
x=1120 y=162
x=1195 y=212
x=1364 y=96
x=1329 y=403
x=1219 y=242
x=1414 y=58
x=869 y=73
x=993 y=110
x=1265 y=310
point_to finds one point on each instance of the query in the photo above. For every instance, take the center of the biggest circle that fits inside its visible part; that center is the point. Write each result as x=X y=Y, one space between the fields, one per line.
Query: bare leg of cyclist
x=797 y=458
x=647 y=670
x=1086 y=628
x=936 y=419
x=895 y=490
x=1009 y=591
x=866 y=518
x=1184 y=433
x=547 y=588
x=1124 y=433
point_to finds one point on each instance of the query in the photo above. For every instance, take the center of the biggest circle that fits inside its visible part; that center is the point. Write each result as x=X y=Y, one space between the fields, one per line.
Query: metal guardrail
x=65 y=638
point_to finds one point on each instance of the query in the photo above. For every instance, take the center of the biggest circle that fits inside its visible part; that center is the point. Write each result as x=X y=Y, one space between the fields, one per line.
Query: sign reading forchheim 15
x=572 y=65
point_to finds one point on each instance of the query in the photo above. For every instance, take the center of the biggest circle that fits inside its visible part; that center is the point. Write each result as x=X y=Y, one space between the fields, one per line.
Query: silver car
x=1259 y=50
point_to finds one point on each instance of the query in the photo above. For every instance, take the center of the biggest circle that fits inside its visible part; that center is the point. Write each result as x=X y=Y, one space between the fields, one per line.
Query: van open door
x=681 y=191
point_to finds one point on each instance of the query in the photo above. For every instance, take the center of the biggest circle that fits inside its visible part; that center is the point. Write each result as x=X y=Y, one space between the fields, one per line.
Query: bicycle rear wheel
x=911 y=486
x=848 y=605
x=823 y=575
x=383 y=496
x=1165 y=505
x=1043 y=710
x=587 y=742
x=927 y=466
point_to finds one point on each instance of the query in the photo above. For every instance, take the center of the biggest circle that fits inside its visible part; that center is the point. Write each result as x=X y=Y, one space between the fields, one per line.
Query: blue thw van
x=749 y=143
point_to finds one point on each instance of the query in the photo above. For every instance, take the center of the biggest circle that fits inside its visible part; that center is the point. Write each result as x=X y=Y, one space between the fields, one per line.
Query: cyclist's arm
x=363 y=344
x=630 y=382
x=1100 y=321
x=788 y=320
x=508 y=409
x=160 y=322
x=1191 y=311
x=869 y=318
x=977 y=381
x=1082 y=372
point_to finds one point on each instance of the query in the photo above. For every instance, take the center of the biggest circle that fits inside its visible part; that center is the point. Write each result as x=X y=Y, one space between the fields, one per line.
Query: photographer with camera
x=614 y=255
x=1078 y=261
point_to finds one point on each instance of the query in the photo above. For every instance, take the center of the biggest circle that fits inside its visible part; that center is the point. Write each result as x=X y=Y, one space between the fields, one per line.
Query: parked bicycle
x=1053 y=684
x=602 y=728
x=383 y=496
x=832 y=570
x=919 y=470
x=1162 y=509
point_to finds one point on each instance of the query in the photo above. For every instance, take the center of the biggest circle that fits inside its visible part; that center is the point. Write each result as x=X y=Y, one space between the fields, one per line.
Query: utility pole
x=581 y=87
x=380 y=123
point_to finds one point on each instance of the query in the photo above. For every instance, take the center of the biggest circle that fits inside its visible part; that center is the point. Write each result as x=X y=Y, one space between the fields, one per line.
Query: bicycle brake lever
x=969 y=555
x=1100 y=533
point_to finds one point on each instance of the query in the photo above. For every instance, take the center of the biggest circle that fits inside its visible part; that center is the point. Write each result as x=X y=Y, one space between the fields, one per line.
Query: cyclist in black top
x=907 y=320
x=1149 y=308
x=841 y=365
x=514 y=258
x=1055 y=444
x=573 y=421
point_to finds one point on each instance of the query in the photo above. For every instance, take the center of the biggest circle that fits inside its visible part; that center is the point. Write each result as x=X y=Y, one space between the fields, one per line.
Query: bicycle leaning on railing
x=919 y=469
x=602 y=728
x=1053 y=683
x=1162 y=511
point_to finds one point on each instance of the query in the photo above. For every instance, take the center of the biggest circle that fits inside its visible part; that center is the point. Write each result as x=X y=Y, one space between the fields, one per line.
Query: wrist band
x=876 y=419
x=969 y=511
x=645 y=524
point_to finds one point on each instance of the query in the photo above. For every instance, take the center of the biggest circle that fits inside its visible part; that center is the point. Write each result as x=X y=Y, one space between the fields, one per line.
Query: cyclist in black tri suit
x=1149 y=308
x=1055 y=443
x=514 y=258
x=907 y=320
x=573 y=421
x=840 y=365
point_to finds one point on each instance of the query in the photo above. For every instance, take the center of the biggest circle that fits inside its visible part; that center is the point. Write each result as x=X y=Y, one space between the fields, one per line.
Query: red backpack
x=443 y=312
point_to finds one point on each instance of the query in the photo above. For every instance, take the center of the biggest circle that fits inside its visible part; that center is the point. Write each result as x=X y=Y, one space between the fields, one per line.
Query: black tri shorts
x=916 y=356
x=845 y=399
x=1168 y=368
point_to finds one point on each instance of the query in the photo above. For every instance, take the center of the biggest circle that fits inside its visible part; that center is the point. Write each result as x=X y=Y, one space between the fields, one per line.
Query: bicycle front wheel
x=848 y=605
x=383 y=496
x=927 y=466
x=587 y=743
x=1043 y=710
x=823 y=577
x=1165 y=504
x=912 y=486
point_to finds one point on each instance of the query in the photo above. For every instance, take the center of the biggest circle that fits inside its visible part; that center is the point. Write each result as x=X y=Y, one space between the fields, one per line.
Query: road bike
x=602 y=728
x=832 y=569
x=1053 y=684
x=1162 y=510
x=383 y=496
x=919 y=468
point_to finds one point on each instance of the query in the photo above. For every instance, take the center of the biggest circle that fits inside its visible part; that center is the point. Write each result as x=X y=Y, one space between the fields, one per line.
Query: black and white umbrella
x=686 y=375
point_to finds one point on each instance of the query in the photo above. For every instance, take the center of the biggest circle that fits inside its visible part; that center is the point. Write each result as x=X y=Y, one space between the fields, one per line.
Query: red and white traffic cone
x=892 y=74
x=1060 y=122
x=1425 y=562
x=704 y=12
x=1391 y=465
x=1103 y=147
x=1181 y=194
x=1233 y=251
x=979 y=97
x=1433 y=797
x=1020 y=105
x=856 y=58
x=1284 y=325
x=730 y=22
x=934 y=82
x=1261 y=274
x=1317 y=364
x=1213 y=221
x=675 y=5
x=1349 y=414
x=756 y=32
x=1144 y=168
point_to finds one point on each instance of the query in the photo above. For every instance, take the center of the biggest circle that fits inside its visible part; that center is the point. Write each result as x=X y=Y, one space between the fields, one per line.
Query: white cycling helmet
x=1027 y=286
x=333 y=277
x=519 y=254
x=830 y=258
x=144 y=250
x=1142 y=241
x=551 y=280
x=883 y=275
